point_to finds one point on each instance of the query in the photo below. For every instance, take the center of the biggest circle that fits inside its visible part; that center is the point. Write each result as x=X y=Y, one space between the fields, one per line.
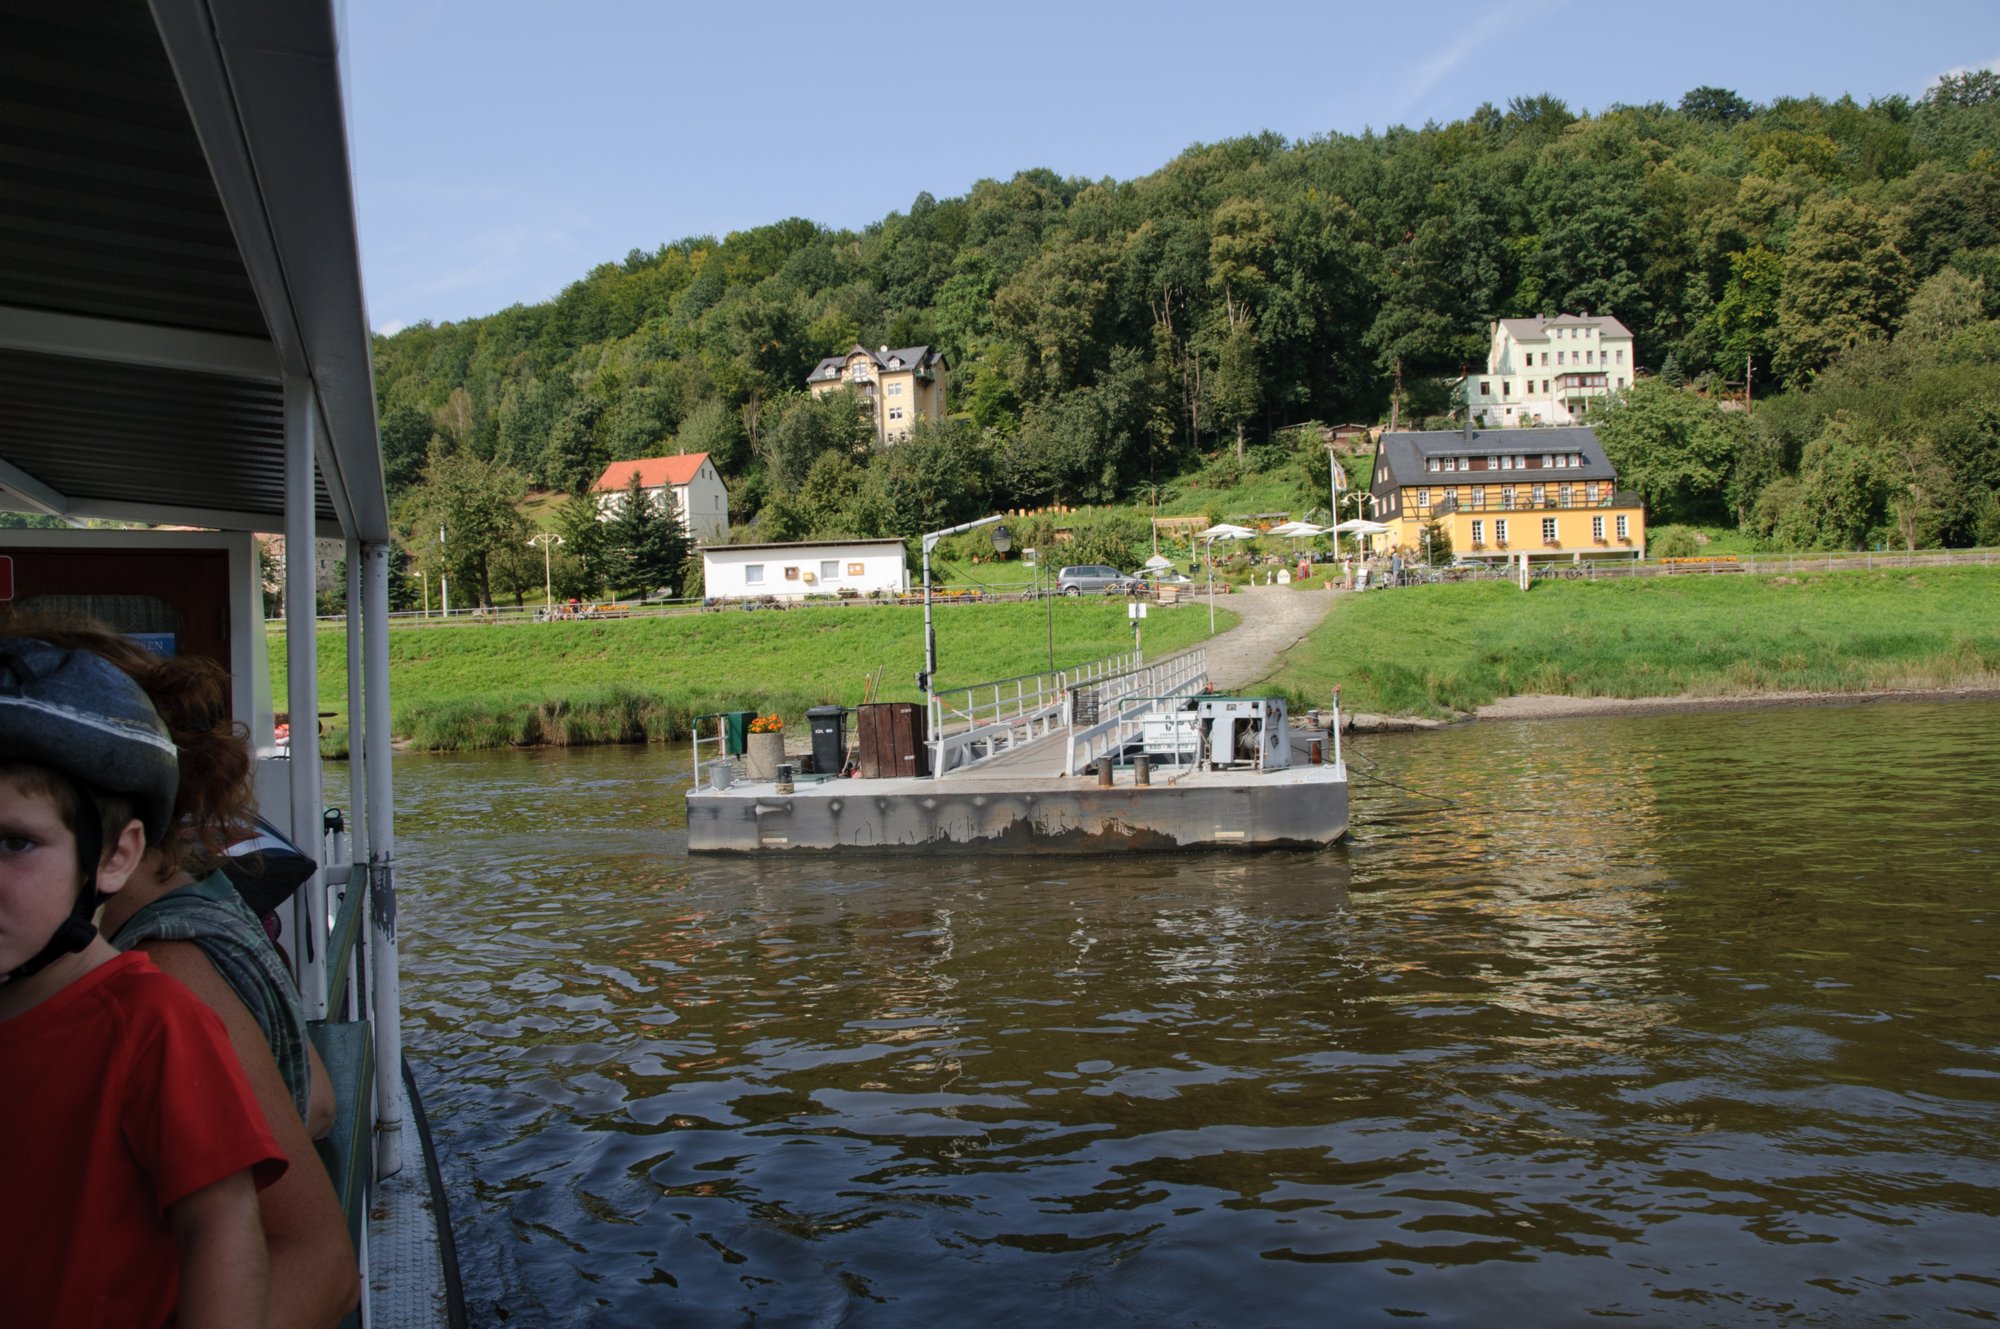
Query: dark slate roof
x=1403 y=454
x=912 y=357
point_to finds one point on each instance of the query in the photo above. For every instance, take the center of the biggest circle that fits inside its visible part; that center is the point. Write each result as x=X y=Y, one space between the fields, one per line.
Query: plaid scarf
x=212 y=916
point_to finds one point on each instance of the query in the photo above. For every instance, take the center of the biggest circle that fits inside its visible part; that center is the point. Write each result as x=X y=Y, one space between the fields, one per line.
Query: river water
x=1682 y=1020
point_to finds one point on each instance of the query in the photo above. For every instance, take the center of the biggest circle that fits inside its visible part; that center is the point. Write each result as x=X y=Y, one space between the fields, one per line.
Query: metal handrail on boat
x=1140 y=694
x=997 y=716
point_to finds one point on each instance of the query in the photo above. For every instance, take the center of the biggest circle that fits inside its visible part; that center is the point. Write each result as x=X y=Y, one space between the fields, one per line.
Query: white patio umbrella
x=1360 y=526
x=1220 y=531
x=1158 y=561
x=1296 y=531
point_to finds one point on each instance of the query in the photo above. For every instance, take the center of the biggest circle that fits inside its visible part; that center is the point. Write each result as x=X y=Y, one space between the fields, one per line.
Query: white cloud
x=391 y=328
x=1485 y=33
x=1991 y=66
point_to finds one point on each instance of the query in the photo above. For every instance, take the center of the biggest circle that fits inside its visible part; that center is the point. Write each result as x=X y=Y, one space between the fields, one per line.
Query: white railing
x=1130 y=698
x=717 y=737
x=996 y=717
x=986 y=720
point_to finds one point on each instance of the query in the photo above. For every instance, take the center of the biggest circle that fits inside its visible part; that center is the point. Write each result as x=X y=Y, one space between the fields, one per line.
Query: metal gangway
x=1055 y=723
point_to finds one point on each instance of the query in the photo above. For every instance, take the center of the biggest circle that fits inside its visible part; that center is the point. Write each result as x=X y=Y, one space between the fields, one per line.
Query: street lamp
x=545 y=539
x=1003 y=540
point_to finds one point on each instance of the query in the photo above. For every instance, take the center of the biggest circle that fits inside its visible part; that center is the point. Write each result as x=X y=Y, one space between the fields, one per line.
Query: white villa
x=808 y=567
x=1545 y=371
x=699 y=497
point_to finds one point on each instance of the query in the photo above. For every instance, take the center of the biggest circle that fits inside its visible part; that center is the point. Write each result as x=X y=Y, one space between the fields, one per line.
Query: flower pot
x=762 y=755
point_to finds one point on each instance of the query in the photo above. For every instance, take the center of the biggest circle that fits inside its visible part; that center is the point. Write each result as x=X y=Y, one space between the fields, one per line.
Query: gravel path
x=1274 y=617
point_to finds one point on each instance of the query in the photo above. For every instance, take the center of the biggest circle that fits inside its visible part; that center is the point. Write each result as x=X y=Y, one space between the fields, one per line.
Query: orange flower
x=767 y=724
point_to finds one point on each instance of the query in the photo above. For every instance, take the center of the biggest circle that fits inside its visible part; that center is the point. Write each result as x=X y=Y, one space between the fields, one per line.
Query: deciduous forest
x=1106 y=336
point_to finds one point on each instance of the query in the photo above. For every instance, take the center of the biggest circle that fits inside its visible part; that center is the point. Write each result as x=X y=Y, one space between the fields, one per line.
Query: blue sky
x=503 y=148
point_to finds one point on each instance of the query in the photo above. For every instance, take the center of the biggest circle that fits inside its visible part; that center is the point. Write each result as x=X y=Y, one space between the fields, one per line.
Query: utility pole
x=1749 y=366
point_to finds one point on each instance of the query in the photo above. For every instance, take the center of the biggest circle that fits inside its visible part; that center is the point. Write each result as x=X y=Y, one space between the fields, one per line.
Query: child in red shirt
x=131 y=1149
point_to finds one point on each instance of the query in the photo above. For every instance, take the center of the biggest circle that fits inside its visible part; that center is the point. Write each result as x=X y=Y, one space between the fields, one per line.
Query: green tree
x=464 y=513
x=577 y=567
x=1843 y=489
x=1716 y=106
x=940 y=476
x=406 y=441
x=1673 y=448
x=808 y=427
x=1844 y=281
x=1745 y=319
x=714 y=428
x=1945 y=305
x=833 y=501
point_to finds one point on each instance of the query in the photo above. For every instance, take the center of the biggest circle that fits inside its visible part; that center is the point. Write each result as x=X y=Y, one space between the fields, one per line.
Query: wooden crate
x=891 y=736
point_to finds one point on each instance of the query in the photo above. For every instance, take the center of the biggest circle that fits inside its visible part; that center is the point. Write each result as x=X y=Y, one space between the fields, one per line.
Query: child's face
x=39 y=877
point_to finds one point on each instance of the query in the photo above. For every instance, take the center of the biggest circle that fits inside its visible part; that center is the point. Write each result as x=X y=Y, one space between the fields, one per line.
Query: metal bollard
x=1142 y=769
x=1105 y=771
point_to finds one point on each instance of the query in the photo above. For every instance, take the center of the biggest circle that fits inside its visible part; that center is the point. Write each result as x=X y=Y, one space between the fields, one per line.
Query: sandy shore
x=1539 y=707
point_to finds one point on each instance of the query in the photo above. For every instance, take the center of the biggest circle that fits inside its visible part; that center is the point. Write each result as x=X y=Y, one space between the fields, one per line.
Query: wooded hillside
x=1104 y=334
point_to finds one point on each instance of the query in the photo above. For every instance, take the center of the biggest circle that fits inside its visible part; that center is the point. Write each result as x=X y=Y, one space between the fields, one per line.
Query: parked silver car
x=1092 y=578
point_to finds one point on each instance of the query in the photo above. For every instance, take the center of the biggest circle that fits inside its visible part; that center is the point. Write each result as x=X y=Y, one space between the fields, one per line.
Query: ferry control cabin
x=1501 y=495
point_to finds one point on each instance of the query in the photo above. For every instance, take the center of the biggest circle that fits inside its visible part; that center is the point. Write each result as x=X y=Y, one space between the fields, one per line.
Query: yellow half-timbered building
x=1503 y=494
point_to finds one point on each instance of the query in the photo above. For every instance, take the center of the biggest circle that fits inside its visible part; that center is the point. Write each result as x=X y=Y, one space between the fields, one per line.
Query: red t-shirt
x=121 y=1096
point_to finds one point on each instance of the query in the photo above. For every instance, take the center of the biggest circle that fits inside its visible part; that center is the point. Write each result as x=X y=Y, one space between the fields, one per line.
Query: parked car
x=1095 y=578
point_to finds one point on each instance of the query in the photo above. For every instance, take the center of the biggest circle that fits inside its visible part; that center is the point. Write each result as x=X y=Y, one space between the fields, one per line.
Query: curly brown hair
x=215 y=804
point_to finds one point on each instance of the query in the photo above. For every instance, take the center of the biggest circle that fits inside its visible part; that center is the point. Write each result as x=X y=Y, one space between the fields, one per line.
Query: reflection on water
x=1688 y=1020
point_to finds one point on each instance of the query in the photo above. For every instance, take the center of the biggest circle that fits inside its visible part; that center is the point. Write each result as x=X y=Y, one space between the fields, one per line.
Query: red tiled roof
x=654 y=472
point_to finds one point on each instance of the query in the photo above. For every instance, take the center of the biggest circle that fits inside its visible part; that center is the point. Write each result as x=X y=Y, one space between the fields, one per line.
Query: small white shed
x=807 y=567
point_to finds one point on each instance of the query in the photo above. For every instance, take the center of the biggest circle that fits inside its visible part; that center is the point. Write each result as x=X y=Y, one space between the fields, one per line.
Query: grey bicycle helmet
x=79 y=715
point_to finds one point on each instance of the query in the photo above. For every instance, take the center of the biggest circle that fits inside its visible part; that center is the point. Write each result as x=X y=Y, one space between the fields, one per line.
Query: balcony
x=1449 y=505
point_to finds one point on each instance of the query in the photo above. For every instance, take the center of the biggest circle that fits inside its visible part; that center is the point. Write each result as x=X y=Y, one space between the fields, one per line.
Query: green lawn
x=1433 y=650
x=645 y=678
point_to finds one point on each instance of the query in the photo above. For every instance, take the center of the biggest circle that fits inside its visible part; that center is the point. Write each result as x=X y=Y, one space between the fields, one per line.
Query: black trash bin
x=829 y=738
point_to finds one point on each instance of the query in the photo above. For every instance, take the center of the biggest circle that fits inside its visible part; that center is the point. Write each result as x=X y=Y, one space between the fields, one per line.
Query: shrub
x=1673 y=542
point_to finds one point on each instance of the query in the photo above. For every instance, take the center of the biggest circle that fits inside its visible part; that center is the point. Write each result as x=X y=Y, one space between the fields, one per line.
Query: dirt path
x=1274 y=618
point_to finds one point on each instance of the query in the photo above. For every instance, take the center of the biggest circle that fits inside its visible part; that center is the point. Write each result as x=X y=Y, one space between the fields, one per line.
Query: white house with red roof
x=699 y=498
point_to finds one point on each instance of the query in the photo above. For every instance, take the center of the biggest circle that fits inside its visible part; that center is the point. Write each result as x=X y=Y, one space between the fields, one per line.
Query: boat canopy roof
x=181 y=253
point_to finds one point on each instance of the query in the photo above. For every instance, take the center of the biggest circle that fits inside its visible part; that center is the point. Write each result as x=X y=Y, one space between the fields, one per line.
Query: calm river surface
x=1682 y=1020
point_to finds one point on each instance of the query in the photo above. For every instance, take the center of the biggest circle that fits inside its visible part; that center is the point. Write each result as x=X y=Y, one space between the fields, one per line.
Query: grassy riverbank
x=1436 y=650
x=643 y=679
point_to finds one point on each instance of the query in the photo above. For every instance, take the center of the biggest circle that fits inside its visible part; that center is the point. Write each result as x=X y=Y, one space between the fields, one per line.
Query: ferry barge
x=1118 y=757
